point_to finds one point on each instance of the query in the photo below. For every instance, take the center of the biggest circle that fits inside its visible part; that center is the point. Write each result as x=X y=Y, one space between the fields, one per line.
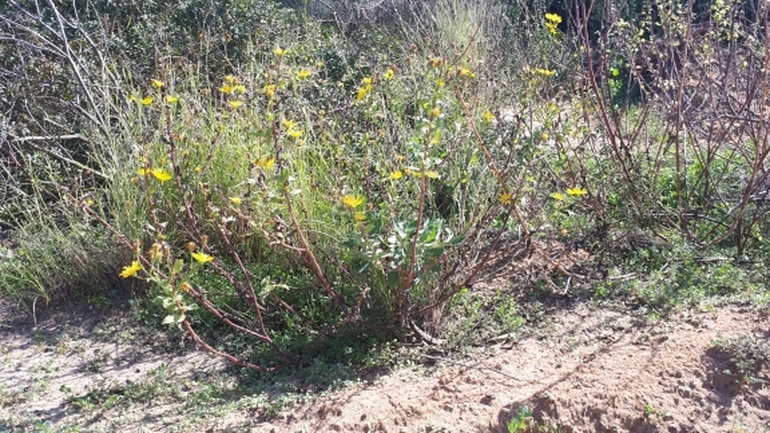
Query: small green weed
x=747 y=356
x=652 y=414
x=521 y=421
x=524 y=422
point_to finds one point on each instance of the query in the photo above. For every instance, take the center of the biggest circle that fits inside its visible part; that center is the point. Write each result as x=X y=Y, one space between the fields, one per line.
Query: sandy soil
x=587 y=370
x=590 y=372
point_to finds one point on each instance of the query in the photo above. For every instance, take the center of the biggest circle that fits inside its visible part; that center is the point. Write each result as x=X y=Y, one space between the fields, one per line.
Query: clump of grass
x=50 y=265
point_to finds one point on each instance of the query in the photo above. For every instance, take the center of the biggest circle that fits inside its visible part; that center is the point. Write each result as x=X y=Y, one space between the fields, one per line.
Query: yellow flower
x=160 y=174
x=230 y=79
x=362 y=92
x=265 y=163
x=553 y=18
x=364 y=89
x=236 y=201
x=278 y=51
x=147 y=100
x=465 y=73
x=440 y=83
x=291 y=129
x=227 y=89
x=156 y=84
x=389 y=74
x=506 y=199
x=352 y=201
x=544 y=136
x=294 y=133
x=359 y=216
x=577 y=191
x=489 y=116
x=434 y=113
x=557 y=196
x=131 y=270
x=144 y=171
x=544 y=72
x=239 y=88
x=396 y=175
x=552 y=22
x=235 y=104
x=304 y=74
x=172 y=99
x=186 y=287
x=270 y=91
x=202 y=257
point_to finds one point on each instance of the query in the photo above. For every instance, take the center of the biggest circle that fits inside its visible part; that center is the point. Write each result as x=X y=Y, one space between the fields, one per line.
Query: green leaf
x=177 y=266
x=393 y=278
x=433 y=253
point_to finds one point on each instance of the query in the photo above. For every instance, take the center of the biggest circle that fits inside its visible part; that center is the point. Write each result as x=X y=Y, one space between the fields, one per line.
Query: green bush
x=284 y=183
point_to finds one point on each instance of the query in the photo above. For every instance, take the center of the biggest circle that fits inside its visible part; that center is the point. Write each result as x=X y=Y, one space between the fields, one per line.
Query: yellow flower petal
x=554 y=18
x=264 y=162
x=172 y=99
x=278 y=51
x=352 y=201
x=577 y=191
x=489 y=116
x=146 y=101
x=202 y=257
x=544 y=72
x=506 y=199
x=557 y=196
x=270 y=91
x=156 y=84
x=396 y=175
x=160 y=174
x=303 y=74
x=235 y=104
x=131 y=270
x=362 y=92
x=465 y=73
x=236 y=201
x=359 y=216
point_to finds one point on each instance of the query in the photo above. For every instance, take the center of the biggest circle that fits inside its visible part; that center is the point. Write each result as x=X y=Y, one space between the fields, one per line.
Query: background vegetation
x=276 y=180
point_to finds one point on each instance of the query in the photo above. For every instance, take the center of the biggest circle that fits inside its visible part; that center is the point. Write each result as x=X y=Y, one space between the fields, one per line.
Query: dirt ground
x=586 y=370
